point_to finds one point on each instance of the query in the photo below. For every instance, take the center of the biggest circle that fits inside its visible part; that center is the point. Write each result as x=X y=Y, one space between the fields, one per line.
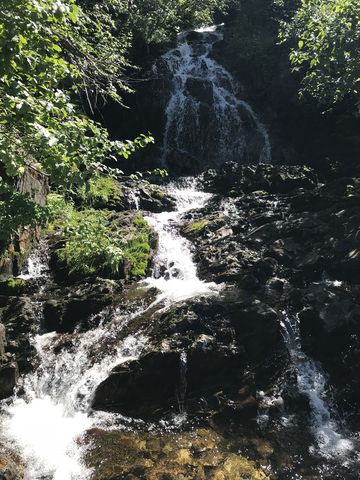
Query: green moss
x=157 y=194
x=195 y=226
x=138 y=254
x=138 y=250
x=13 y=287
x=16 y=283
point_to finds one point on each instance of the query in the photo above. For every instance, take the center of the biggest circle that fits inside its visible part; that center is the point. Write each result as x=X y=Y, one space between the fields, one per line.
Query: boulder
x=9 y=374
x=154 y=379
x=22 y=319
x=198 y=361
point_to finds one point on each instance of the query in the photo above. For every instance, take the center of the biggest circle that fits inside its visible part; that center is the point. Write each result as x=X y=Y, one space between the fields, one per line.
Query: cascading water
x=312 y=382
x=47 y=420
x=175 y=274
x=37 y=264
x=205 y=120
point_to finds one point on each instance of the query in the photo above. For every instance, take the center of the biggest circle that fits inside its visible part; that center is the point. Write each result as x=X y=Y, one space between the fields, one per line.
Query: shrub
x=99 y=242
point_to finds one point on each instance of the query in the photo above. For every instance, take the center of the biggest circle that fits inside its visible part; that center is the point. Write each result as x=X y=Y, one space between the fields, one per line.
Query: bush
x=99 y=242
x=99 y=190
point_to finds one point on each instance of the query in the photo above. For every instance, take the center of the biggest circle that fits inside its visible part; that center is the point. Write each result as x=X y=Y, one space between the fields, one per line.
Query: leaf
x=74 y=12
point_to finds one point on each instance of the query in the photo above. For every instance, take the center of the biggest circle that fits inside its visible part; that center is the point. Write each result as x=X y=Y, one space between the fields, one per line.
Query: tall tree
x=50 y=53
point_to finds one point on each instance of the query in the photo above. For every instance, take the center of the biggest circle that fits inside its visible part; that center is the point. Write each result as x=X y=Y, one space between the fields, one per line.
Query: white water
x=46 y=424
x=312 y=382
x=204 y=116
x=37 y=264
x=175 y=273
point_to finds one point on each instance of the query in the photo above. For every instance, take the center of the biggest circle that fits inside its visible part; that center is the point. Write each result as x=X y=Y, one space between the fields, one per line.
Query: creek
x=217 y=336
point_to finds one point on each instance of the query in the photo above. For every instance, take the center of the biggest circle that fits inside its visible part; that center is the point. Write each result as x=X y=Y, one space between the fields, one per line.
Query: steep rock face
x=199 y=362
x=21 y=320
x=78 y=306
x=276 y=233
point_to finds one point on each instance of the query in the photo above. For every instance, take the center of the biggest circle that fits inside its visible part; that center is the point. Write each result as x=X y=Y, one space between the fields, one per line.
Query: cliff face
x=35 y=184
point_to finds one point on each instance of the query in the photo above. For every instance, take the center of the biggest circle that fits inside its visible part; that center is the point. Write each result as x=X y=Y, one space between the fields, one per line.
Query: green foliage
x=100 y=188
x=51 y=52
x=157 y=21
x=94 y=242
x=98 y=48
x=137 y=252
x=17 y=211
x=90 y=245
x=325 y=46
x=13 y=286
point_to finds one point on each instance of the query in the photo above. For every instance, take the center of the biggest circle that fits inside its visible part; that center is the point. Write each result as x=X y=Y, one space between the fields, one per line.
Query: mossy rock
x=195 y=227
x=117 y=245
x=13 y=287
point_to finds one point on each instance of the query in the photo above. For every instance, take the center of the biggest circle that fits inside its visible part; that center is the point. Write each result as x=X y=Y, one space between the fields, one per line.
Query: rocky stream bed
x=237 y=358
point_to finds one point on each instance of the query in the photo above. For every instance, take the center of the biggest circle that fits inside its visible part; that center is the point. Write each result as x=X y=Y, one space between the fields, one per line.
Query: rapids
x=47 y=418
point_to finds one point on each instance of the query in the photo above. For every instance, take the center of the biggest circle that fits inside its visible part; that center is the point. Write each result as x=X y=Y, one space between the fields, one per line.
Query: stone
x=9 y=374
x=11 y=467
x=196 y=351
x=21 y=319
x=200 y=453
x=154 y=378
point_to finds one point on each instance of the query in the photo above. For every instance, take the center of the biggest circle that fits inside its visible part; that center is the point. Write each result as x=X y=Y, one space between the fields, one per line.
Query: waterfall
x=183 y=383
x=47 y=420
x=312 y=382
x=206 y=122
x=175 y=273
x=37 y=264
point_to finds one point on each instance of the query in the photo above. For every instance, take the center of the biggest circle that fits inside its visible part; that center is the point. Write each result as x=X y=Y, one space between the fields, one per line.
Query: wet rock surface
x=20 y=317
x=214 y=356
x=278 y=244
x=138 y=195
x=201 y=454
x=293 y=243
x=78 y=306
x=11 y=467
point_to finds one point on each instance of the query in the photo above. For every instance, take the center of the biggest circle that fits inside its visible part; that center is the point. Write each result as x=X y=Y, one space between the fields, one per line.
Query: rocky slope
x=219 y=371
